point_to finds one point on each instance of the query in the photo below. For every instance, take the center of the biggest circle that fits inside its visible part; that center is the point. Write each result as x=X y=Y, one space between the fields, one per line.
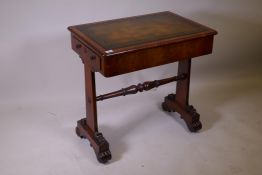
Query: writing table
x=130 y=44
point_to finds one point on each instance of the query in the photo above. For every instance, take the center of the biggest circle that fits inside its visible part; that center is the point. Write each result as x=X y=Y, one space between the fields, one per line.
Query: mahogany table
x=130 y=44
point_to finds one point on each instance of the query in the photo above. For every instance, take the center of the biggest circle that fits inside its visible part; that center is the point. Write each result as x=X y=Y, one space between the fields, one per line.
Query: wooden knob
x=93 y=57
x=78 y=46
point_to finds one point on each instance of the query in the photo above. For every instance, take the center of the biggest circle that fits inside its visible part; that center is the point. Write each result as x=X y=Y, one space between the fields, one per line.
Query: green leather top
x=125 y=32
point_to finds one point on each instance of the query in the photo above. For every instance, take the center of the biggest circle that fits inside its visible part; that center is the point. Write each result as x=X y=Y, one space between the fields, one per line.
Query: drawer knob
x=93 y=57
x=78 y=46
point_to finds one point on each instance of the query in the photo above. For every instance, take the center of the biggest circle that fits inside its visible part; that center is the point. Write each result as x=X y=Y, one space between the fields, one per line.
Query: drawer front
x=86 y=54
x=138 y=60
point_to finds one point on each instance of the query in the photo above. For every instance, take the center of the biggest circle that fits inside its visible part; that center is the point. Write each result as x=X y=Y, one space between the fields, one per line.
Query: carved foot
x=165 y=107
x=96 y=139
x=79 y=134
x=78 y=130
x=195 y=125
x=103 y=154
x=104 y=157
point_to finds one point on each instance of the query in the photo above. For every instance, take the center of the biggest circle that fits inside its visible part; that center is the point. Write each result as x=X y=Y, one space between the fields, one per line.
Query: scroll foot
x=79 y=134
x=103 y=154
x=195 y=125
x=165 y=107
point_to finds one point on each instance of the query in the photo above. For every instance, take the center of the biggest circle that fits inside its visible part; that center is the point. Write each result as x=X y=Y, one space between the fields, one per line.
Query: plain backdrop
x=42 y=93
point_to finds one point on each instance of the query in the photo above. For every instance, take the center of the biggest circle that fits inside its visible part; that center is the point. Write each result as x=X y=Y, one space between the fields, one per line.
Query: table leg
x=87 y=127
x=179 y=102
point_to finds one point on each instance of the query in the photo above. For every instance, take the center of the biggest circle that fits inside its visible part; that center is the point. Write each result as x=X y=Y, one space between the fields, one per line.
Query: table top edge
x=104 y=52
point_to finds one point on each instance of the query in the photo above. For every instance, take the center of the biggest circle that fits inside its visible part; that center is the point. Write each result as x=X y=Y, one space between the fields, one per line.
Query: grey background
x=42 y=93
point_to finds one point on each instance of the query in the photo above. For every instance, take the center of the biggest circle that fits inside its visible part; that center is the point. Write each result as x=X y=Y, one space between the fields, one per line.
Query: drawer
x=145 y=58
x=76 y=45
x=87 y=55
